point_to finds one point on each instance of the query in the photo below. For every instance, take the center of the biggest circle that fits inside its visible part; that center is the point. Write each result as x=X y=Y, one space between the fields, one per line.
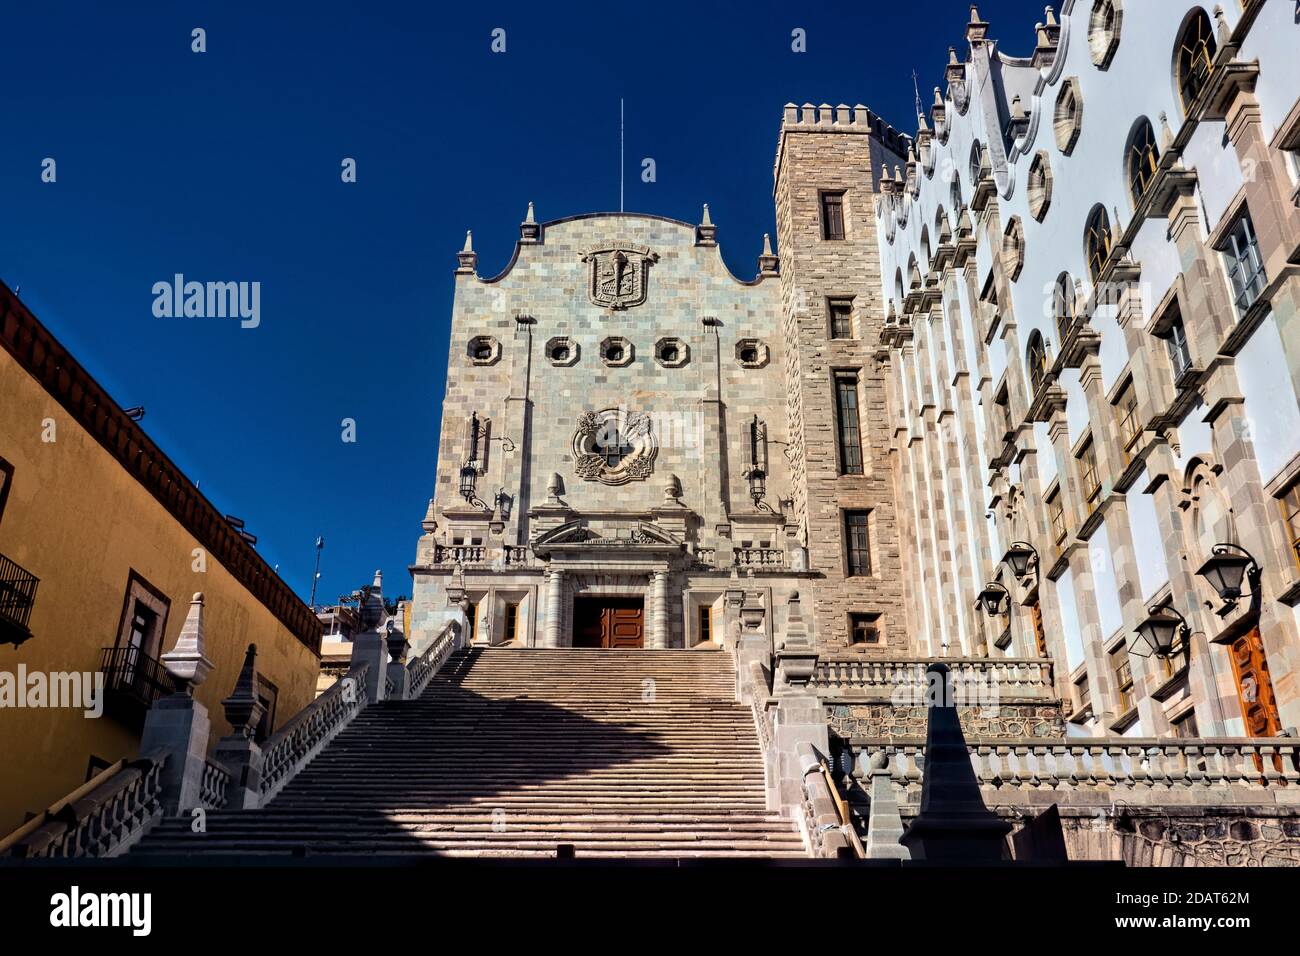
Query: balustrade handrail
x=290 y=748
x=212 y=788
x=101 y=817
x=1128 y=764
x=1026 y=676
x=423 y=668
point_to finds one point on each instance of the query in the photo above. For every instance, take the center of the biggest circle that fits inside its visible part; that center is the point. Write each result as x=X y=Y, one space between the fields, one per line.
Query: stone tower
x=827 y=164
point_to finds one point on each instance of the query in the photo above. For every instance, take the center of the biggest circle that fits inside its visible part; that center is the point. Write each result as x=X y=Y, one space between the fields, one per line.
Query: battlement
x=843 y=119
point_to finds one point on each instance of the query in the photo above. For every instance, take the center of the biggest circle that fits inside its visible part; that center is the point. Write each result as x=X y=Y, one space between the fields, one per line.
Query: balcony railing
x=17 y=595
x=979 y=680
x=134 y=680
x=459 y=554
x=762 y=557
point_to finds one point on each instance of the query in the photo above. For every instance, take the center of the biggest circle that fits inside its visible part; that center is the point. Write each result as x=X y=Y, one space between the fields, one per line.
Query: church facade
x=638 y=447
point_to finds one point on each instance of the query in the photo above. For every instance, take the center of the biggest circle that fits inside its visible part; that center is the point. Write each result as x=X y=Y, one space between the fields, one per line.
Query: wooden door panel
x=624 y=627
x=608 y=622
x=1254 y=686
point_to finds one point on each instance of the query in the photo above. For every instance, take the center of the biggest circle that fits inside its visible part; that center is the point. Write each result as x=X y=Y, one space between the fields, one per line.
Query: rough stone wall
x=890 y=721
x=813 y=157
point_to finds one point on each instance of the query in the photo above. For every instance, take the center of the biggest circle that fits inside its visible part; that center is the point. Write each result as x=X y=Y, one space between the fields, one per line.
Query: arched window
x=1063 y=305
x=1195 y=56
x=976 y=162
x=1097 y=241
x=913 y=272
x=1039 y=195
x=1142 y=159
x=1036 y=360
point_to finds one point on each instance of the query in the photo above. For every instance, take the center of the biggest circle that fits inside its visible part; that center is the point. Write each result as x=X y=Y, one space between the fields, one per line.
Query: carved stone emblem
x=614 y=446
x=619 y=274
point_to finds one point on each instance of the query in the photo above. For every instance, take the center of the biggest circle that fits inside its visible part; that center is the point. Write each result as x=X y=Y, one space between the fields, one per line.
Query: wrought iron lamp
x=1021 y=558
x=1163 y=628
x=1226 y=568
x=995 y=599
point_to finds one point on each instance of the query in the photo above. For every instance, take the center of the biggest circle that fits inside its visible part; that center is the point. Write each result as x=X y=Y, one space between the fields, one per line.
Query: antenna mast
x=620 y=154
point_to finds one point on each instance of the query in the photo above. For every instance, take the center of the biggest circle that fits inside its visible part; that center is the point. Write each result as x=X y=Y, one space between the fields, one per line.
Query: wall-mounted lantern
x=1163 y=628
x=1226 y=568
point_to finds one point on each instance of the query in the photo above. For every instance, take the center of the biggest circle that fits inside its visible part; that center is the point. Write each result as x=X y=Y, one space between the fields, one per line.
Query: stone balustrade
x=212 y=789
x=759 y=557
x=902 y=681
x=102 y=818
x=1103 y=771
x=423 y=668
x=465 y=554
x=287 y=750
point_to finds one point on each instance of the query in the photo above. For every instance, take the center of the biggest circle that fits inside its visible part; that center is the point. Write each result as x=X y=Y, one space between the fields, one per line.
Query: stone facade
x=722 y=490
x=838 y=150
x=547 y=359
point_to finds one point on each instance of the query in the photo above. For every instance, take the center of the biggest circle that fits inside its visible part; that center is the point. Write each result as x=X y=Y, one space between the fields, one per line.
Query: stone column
x=658 y=636
x=554 y=611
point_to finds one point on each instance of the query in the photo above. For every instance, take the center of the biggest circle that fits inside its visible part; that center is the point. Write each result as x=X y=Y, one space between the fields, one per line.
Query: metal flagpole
x=620 y=154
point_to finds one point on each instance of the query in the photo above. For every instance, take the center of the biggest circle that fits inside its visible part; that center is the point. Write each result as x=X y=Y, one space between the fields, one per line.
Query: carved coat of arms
x=618 y=274
x=614 y=446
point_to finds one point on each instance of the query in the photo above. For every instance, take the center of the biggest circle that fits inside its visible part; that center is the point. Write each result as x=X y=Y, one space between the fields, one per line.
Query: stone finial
x=1166 y=134
x=952 y=56
x=974 y=14
x=1050 y=15
x=1222 y=30
x=938 y=97
x=397 y=643
x=898 y=176
x=529 y=230
x=430 y=522
x=372 y=606
x=768 y=263
x=555 y=489
x=243 y=707
x=673 y=490
x=186 y=661
x=1018 y=109
x=467 y=258
x=706 y=233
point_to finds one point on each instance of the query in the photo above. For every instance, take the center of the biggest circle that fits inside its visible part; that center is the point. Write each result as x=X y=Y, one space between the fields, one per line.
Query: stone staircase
x=512 y=752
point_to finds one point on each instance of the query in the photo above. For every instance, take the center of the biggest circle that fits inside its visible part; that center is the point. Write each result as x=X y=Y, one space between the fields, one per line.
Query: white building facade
x=1093 y=333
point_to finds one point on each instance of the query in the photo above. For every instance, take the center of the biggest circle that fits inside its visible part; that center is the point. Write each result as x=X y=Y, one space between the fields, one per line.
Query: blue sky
x=225 y=166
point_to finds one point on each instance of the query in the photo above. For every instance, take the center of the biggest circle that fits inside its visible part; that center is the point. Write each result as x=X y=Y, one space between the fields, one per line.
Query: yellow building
x=103 y=542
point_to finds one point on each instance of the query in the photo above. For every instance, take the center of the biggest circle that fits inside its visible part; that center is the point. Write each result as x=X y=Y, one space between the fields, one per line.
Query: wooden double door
x=1254 y=686
x=609 y=622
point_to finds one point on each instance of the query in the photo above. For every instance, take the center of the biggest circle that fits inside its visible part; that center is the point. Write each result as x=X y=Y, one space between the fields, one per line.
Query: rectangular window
x=1056 y=514
x=1082 y=696
x=1119 y=663
x=139 y=637
x=1291 y=512
x=1185 y=726
x=267 y=694
x=864 y=628
x=1177 y=659
x=850 y=435
x=841 y=318
x=6 y=479
x=512 y=623
x=832 y=215
x=1126 y=412
x=1180 y=356
x=1245 y=266
x=706 y=623
x=857 y=538
x=1089 y=476
x=1002 y=414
